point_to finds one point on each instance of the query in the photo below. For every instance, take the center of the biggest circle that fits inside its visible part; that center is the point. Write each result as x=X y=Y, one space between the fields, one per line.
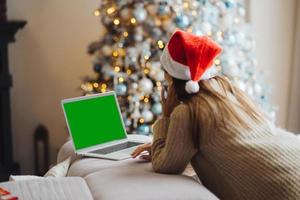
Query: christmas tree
x=126 y=59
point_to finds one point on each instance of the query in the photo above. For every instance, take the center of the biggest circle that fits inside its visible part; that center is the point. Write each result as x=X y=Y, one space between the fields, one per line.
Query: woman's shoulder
x=181 y=109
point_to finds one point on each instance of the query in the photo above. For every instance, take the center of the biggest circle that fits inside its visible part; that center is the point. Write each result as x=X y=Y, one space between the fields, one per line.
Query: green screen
x=94 y=121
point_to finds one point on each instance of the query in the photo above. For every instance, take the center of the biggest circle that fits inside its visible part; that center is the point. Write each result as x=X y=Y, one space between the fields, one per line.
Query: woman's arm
x=172 y=147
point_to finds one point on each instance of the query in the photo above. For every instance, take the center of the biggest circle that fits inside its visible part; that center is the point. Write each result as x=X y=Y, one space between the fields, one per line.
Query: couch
x=116 y=180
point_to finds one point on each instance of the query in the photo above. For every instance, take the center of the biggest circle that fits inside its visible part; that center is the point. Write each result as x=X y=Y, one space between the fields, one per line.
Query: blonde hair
x=213 y=105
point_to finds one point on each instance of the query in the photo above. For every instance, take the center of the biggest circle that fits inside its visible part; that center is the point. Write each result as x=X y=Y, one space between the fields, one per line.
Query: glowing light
x=146 y=71
x=190 y=29
x=111 y=10
x=186 y=5
x=141 y=120
x=146 y=57
x=117 y=69
x=97 y=13
x=133 y=20
x=160 y=44
x=103 y=89
x=116 y=21
x=217 y=61
x=115 y=54
x=125 y=34
x=103 y=86
x=128 y=71
x=237 y=20
x=95 y=85
x=121 y=79
x=158 y=83
x=146 y=100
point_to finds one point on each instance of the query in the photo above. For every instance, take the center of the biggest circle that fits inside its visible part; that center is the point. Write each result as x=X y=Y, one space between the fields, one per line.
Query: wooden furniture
x=8 y=30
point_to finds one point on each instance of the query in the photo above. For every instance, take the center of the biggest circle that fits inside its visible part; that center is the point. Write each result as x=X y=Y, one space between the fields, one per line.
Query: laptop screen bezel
x=74 y=99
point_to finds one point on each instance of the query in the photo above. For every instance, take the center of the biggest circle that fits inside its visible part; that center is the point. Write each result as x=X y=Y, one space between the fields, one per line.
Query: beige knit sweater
x=262 y=163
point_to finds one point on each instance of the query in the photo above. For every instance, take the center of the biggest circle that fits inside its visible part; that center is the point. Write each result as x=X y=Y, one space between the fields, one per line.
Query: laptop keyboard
x=116 y=147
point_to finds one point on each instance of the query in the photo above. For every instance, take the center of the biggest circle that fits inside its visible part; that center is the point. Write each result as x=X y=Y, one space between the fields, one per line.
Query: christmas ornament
x=137 y=32
x=147 y=115
x=157 y=108
x=145 y=85
x=121 y=89
x=144 y=129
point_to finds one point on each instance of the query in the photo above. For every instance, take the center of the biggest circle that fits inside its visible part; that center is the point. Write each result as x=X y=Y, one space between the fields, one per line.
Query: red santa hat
x=190 y=57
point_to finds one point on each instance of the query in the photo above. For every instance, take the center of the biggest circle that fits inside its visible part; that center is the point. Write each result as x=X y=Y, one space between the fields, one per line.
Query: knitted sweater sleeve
x=172 y=147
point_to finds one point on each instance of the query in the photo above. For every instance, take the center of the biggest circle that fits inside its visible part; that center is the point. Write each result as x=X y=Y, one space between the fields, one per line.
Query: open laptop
x=96 y=126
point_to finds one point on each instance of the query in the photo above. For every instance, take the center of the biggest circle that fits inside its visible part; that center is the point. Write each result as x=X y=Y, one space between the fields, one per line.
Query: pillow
x=59 y=170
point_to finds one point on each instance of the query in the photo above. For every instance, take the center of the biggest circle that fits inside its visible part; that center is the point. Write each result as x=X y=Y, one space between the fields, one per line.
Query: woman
x=207 y=121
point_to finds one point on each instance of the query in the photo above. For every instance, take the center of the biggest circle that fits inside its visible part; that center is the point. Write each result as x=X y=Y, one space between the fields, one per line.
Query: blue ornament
x=121 y=89
x=97 y=67
x=229 y=4
x=182 y=21
x=157 y=108
x=144 y=129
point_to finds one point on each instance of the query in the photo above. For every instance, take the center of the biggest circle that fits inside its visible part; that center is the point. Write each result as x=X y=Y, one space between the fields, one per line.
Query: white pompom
x=192 y=86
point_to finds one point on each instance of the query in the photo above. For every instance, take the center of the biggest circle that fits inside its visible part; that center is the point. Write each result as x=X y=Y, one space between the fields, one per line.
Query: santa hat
x=190 y=57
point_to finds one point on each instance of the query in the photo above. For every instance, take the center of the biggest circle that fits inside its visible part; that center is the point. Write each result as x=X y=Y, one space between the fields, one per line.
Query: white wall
x=293 y=120
x=273 y=23
x=49 y=57
x=46 y=62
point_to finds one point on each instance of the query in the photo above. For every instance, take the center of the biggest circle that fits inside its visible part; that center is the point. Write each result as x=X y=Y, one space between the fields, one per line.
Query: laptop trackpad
x=116 y=148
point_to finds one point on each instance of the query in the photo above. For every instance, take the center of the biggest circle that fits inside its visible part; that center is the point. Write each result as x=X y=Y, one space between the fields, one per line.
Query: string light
x=128 y=71
x=158 y=83
x=115 y=54
x=87 y=87
x=146 y=100
x=103 y=86
x=141 y=120
x=186 y=5
x=103 y=89
x=116 y=21
x=95 y=85
x=217 y=61
x=133 y=20
x=122 y=52
x=97 y=13
x=117 y=69
x=146 y=57
x=158 y=22
x=121 y=79
x=110 y=10
x=125 y=34
x=146 y=71
x=160 y=44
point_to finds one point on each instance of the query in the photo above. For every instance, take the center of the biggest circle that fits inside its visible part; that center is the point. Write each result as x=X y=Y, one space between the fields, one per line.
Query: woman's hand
x=169 y=103
x=144 y=151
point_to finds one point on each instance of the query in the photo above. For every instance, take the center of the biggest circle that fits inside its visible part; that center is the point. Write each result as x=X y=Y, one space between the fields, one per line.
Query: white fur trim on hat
x=209 y=73
x=191 y=86
x=175 y=69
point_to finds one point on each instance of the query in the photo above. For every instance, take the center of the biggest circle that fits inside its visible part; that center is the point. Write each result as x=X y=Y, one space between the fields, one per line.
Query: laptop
x=96 y=126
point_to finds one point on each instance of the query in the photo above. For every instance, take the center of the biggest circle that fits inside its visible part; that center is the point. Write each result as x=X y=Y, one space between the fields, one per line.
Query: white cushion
x=136 y=180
